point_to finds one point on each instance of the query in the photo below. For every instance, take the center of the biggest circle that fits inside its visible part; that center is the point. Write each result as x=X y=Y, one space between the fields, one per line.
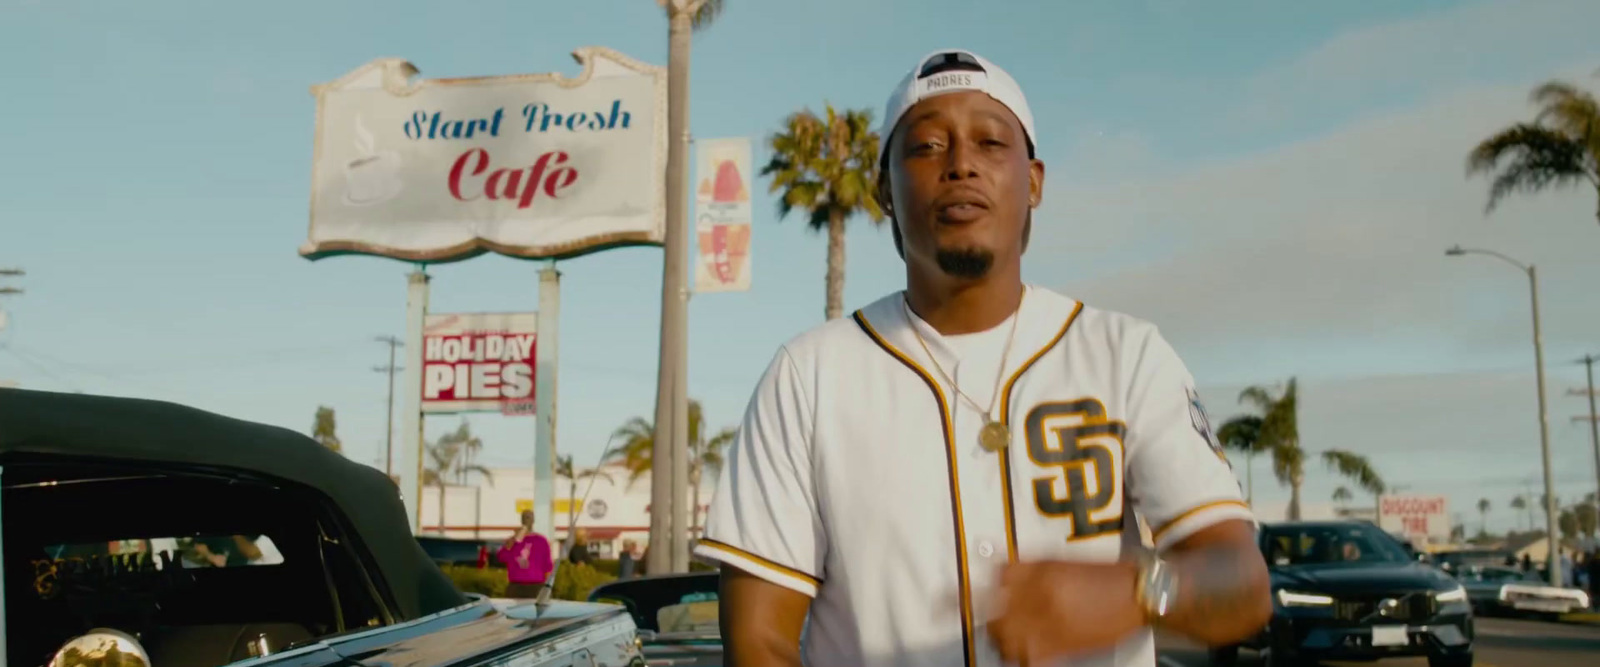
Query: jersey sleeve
x=763 y=517
x=1178 y=478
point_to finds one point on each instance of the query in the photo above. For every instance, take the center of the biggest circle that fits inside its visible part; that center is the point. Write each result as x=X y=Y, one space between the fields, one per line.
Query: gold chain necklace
x=994 y=435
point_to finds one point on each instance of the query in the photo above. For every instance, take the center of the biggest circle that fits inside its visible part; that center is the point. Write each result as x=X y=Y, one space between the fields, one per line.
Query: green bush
x=573 y=582
x=609 y=566
x=469 y=579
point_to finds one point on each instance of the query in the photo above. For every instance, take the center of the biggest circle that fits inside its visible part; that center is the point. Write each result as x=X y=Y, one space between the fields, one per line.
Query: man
x=526 y=555
x=625 y=561
x=950 y=476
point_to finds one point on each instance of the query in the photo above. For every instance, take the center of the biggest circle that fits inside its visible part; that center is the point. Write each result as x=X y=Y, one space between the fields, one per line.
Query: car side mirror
x=101 y=647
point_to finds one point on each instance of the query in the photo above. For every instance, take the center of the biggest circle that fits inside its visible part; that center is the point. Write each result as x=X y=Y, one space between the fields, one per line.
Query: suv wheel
x=1454 y=660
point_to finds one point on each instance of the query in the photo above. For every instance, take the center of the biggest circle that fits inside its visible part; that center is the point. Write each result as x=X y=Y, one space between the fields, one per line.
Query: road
x=1500 y=643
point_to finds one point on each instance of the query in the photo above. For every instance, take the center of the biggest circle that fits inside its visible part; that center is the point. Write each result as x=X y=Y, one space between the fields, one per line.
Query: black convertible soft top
x=139 y=430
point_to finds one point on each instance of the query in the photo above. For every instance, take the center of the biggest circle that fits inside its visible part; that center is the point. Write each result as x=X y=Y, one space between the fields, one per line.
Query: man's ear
x=1035 y=182
x=886 y=204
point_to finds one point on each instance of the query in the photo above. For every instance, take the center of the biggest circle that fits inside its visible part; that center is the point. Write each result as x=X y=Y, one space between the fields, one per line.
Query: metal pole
x=1553 y=560
x=1594 y=433
x=388 y=424
x=545 y=357
x=410 y=465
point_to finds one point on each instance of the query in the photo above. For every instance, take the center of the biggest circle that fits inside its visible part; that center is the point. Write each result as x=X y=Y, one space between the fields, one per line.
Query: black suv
x=1345 y=590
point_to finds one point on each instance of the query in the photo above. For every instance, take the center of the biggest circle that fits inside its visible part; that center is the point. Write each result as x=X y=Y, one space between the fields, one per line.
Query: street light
x=1552 y=559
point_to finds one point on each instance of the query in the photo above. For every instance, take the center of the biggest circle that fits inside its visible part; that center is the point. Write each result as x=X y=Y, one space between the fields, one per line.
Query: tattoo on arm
x=1222 y=593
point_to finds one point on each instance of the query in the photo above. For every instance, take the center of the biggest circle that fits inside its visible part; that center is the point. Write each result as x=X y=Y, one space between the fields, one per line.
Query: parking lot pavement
x=1500 y=643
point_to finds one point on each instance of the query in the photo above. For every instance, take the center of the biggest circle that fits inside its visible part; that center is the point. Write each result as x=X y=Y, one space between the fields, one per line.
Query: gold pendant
x=994 y=436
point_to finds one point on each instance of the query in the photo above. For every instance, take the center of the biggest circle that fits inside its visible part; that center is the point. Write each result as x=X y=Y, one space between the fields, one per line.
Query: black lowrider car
x=187 y=539
x=1346 y=590
x=676 y=615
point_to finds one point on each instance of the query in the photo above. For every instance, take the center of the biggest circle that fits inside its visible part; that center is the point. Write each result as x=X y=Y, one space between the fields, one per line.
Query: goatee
x=969 y=263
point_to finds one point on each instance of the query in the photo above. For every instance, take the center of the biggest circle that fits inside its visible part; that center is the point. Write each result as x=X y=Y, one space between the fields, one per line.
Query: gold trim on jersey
x=758 y=560
x=1155 y=533
x=955 y=480
x=1005 y=418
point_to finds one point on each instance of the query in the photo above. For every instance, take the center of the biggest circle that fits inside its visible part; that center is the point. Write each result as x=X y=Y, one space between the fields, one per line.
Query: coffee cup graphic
x=373 y=175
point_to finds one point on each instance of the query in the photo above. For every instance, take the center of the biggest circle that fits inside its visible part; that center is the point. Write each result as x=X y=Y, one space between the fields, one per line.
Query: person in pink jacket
x=527 y=558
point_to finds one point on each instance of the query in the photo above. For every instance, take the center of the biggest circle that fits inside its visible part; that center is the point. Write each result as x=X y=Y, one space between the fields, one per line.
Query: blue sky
x=1272 y=183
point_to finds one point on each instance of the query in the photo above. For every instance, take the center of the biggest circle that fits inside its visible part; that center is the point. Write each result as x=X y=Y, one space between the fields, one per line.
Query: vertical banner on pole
x=722 y=215
x=544 y=393
x=408 y=463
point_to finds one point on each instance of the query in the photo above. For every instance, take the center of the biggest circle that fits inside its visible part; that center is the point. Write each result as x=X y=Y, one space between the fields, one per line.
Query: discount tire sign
x=1416 y=517
x=478 y=362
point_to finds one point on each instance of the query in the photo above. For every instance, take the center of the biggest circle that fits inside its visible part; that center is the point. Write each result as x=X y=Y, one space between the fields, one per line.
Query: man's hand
x=1053 y=609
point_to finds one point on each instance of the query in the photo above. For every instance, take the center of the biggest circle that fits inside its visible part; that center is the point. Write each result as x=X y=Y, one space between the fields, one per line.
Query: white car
x=1507 y=590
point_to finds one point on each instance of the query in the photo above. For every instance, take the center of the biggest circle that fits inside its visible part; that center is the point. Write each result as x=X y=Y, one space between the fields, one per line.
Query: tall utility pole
x=669 y=484
x=1594 y=423
x=388 y=422
x=1553 y=559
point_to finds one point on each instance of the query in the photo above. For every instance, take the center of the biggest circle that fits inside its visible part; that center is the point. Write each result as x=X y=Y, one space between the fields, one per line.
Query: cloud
x=1400 y=59
x=1334 y=246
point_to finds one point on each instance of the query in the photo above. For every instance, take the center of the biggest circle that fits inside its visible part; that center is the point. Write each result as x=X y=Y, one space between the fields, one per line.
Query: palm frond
x=1341 y=494
x=1528 y=158
x=1355 y=467
x=1242 y=434
x=1568 y=109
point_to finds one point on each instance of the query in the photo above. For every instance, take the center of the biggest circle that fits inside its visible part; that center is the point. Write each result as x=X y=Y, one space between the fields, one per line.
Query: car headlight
x=1457 y=594
x=1292 y=599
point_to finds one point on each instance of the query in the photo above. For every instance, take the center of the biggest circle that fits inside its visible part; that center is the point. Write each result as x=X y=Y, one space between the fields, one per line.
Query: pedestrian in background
x=526 y=555
x=625 y=561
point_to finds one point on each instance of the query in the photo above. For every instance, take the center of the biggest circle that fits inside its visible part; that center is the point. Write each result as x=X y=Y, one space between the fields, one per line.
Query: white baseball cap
x=949 y=71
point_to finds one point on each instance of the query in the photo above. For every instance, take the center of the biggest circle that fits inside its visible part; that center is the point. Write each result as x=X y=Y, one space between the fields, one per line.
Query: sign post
x=545 y=360
x=408 y=472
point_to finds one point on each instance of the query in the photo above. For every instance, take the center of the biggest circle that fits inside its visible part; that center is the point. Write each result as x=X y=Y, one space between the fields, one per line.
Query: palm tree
x=564 y=470
x=1357 y=468
x=1561 y=147
x=684 y=18
x=1520 y=503
x=1243 y=434
x=637 y=451
x=322 y=429
x=451 y=457
x=1341 y=495
x=1279 y=434
x=828 y=168
x=1483 y=514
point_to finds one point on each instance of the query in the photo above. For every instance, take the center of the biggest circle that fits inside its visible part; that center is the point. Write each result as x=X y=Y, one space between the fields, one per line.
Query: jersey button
x=985 y=549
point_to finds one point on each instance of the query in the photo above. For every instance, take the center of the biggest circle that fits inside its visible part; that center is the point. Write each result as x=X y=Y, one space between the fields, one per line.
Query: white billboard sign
x=1416 y=517
x=477 y=362
x=530 y=165
x=722 y=215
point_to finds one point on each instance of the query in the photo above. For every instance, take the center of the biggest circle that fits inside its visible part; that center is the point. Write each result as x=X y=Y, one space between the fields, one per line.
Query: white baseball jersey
x=857 y=477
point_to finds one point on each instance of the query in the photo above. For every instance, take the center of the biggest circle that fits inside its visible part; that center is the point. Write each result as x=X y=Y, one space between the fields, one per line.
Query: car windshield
x=680 y=604
x=1493 y=574
x=1329 y=545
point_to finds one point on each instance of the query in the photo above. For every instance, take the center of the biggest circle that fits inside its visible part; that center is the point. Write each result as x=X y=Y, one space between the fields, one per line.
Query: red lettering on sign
x=549 y=173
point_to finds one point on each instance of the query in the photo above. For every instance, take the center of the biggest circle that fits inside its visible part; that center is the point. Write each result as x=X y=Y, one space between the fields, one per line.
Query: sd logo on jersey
x=1202 y=423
